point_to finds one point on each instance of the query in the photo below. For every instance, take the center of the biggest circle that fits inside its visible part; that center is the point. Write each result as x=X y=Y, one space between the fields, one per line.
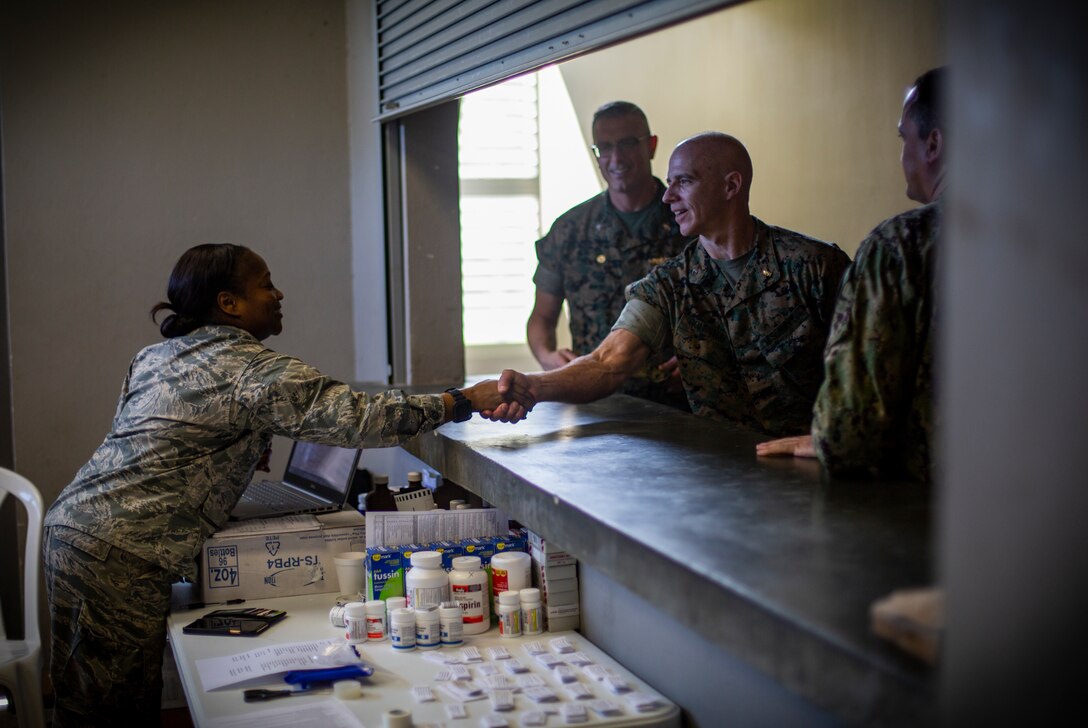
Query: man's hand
x=510 y=399
x=672 y=368
x=798 y=447
x=556 y=359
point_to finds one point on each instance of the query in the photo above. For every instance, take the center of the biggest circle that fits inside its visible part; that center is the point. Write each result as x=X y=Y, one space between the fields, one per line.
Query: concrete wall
x=133 y=130
x=813 y=89
x=680 y=663
x=1015 y=303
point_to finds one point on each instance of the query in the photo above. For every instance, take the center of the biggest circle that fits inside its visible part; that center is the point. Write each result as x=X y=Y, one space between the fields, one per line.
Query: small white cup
x=351 y=571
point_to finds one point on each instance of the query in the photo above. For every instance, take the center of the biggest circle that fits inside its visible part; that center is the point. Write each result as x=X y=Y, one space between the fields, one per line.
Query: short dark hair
x=200 y=274
x=927 y=109
x=616 y=109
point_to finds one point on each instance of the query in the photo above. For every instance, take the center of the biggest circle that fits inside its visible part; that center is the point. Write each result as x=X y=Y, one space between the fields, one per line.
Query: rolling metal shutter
x=431 y=51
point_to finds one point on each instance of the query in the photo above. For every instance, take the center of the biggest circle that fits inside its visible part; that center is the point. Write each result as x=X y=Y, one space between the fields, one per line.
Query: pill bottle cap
x=530 y=595
x=456 y=502
x=427 y=559
x=375 y=606
x=405 y=615
x=466 y=563
x=355 y=609
x=428 y=613
x=415 y=476
x=511 y=557
x=381 y=478
x=395 y=603
x=509 y=597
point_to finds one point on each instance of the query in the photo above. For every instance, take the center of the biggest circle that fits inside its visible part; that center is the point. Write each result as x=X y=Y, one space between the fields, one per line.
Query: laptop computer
x=317 y=479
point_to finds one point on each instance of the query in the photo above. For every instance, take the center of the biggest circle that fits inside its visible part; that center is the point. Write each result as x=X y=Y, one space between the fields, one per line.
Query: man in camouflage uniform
x=747 y=306
x=598 y=247
x=196 y=413
x=875 y=411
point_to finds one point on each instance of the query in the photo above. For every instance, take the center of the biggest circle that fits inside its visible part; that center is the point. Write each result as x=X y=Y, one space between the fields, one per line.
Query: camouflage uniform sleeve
x=656 y=290
x=285 y=396
x=862 y=393
x=834 y=272
x=548 y=249
x=645 y=322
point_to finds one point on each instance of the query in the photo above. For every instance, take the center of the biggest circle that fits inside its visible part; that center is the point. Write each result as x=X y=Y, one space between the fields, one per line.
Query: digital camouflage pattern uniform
x=876 y=407
x=754 y=354
x=195 y=415
x=588 y=257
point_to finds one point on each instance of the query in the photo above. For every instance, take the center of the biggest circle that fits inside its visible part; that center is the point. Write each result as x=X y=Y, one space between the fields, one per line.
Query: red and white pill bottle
x=468 y=587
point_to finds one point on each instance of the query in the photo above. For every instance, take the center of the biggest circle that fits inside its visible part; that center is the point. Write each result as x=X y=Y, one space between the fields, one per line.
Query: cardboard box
x=549 y=574
x=278 y=557
x=450 y=550
x=551 y=559
x=561 y=592
x=509 y=543
x=567 y=610
x=485 y=549
x=563 y=618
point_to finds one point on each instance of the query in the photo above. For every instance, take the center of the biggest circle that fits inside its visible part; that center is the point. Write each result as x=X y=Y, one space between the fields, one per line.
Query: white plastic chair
x=21 y=660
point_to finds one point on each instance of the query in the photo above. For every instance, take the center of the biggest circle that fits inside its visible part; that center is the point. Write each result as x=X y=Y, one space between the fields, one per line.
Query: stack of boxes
x=555 y=573
x=386 y=566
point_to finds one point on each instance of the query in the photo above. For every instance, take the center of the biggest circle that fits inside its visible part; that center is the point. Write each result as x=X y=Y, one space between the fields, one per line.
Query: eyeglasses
x=624 y=145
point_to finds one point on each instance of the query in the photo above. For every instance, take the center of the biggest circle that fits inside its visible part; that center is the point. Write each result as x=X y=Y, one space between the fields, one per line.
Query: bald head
x=710 y=176
x=720 y=154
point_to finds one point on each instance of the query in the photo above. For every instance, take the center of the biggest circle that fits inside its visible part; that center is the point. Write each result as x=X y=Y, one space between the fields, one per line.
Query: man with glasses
x=747 y=307
x=596 y=248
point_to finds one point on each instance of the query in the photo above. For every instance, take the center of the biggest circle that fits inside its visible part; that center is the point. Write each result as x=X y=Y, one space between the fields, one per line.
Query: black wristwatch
x=462 y=408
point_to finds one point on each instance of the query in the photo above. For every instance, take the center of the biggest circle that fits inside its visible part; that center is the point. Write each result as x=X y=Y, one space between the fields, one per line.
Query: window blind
x=430 y=51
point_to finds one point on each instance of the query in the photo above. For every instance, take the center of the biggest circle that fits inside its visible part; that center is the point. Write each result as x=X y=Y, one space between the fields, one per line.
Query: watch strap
x=462 y=408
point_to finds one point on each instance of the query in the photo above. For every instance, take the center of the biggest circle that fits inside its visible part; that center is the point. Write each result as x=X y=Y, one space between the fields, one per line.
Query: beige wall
x=133 y=130
x=812 y=87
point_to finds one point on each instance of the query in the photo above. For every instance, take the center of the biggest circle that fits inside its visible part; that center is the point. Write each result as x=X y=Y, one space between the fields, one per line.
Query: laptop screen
x=323 y=470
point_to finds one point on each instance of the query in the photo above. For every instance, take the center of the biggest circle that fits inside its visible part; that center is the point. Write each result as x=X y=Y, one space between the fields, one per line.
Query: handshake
x=509 y=398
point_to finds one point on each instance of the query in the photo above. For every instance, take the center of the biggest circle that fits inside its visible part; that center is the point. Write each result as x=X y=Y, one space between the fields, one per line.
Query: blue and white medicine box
x=385 y=567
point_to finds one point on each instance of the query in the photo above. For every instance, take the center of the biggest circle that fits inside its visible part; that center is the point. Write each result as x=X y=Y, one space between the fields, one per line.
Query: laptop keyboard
x=271 y=493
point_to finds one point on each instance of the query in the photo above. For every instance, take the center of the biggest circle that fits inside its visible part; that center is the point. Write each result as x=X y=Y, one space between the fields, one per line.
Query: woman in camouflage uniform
x=196 y=414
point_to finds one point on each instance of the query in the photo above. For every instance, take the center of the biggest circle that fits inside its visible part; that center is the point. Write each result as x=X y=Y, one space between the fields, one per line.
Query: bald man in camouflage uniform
x=599 y=246
x=875 y=412
x=747 y=306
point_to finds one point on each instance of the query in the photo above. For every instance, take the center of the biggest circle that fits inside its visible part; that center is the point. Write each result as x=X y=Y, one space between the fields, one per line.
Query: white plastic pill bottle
x=532 y=611
x=427 y=627
x=355 y=622
x=392 y=604
x=468 y=587
x=402 y=629
x=510 y=572
x=426 y=583
x=509 y=614
x=375 y=619
x=451 y=628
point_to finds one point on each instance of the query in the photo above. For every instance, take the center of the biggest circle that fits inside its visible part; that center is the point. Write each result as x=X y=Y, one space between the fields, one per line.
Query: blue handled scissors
x=307 y=678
